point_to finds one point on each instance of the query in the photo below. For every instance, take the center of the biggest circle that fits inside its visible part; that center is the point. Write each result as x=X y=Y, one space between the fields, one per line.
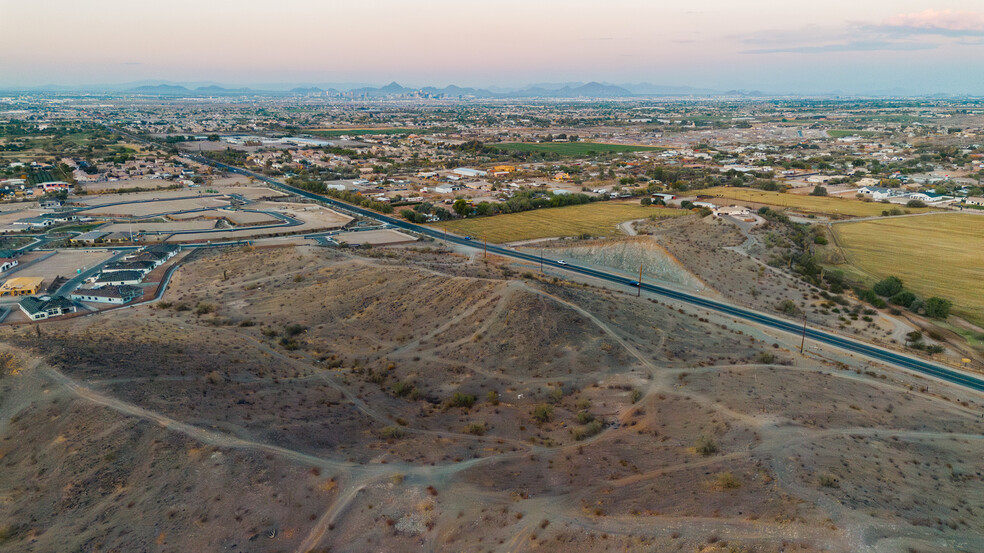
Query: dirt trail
x=200 y=434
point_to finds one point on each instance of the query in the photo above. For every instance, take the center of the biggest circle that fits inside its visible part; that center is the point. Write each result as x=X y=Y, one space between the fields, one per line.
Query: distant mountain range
x=572 y=90
x=565 y=90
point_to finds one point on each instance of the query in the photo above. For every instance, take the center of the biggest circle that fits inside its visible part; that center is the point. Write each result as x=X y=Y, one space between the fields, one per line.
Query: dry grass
x=828 y=205
x=934 y=255
x=596 y=219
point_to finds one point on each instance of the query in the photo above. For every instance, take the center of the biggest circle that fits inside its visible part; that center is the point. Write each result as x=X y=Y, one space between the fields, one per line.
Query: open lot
x=811 y=204
x=596 y=219
x=144 y=209
x=141 y=183
x=63 y=263
x=103 y=199
x=572 y=148
x=314 y=218
x=236 y=217
x=375 y=237
x=170 y=226
x=934 y=255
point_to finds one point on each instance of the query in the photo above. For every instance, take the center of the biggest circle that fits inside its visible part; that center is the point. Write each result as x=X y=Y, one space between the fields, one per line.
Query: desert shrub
x=766 y=357
x=706 y=445
x=476 y=428
x=635 y=396
x=292 y=330
x=402 y=389
x=288 y=344
x=590 y=429
x=542 y=412
x=492 y=397
x=557 y=394
x=935 y=348
x=584 y=417
x=788 y=307
x=728 y=481
x=459 y=399
x=204 y=308
x=269 y=332
x=247 y=323
x=828 y=481
x=392 y=433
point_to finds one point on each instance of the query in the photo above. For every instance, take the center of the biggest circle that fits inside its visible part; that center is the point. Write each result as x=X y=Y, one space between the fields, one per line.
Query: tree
x=904 y=298
x=819 y=191
x=888 y=287
x=213 y=138
x=915 y=203
x=646 y=201
x=460 y=207
x=938 y=308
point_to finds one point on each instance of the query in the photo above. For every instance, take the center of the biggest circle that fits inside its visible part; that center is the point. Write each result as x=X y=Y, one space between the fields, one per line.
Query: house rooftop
x=120 y=275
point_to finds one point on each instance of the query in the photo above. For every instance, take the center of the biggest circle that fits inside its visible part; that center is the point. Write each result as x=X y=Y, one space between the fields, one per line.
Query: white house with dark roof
x=108 y=294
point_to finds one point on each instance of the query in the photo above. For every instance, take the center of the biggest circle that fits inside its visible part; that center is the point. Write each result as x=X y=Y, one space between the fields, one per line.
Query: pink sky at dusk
x=773 y=45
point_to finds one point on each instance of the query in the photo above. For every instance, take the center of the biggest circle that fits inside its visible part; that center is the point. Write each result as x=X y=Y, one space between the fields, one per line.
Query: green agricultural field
x=596 y=219
x=934 y=255
x=826 y=205
x=572 y=149
x=841 y=133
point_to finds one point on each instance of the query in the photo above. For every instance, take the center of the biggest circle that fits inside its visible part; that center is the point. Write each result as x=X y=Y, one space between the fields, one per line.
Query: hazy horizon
x=921 y=47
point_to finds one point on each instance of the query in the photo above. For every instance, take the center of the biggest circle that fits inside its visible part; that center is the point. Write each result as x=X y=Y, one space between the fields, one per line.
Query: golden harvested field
x=813 y=204
x=596 y=219
x=934 y=255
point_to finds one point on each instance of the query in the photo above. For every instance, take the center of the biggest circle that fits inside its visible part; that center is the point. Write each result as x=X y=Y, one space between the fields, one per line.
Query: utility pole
x=639 y=291
x=803 y=341
x=445 y=233
x=486 y=247
x=541 y=261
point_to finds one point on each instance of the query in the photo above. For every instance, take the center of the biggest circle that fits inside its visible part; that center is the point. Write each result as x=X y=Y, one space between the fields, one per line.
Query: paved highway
x=849 y=344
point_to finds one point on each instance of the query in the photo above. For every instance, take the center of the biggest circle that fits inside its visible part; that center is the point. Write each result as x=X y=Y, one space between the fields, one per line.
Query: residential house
x=142 y=266
x=21 y=286
x=108 y=294
x=43 y=308
x=119 y=278
x=878 y=193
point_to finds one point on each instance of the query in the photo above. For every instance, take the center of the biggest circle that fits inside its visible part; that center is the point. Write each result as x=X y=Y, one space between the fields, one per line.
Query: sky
x=779 y=46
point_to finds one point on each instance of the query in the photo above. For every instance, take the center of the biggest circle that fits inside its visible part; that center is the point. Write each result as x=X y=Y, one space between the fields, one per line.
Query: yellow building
x=503 y=169
x=21 y=286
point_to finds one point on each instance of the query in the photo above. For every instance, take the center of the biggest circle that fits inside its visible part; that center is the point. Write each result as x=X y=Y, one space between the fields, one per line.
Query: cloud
x=900 y=33
x=935 y=22
x=848 y=46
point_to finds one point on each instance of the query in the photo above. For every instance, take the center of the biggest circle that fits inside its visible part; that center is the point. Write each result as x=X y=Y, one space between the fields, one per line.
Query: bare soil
x=304 y=399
